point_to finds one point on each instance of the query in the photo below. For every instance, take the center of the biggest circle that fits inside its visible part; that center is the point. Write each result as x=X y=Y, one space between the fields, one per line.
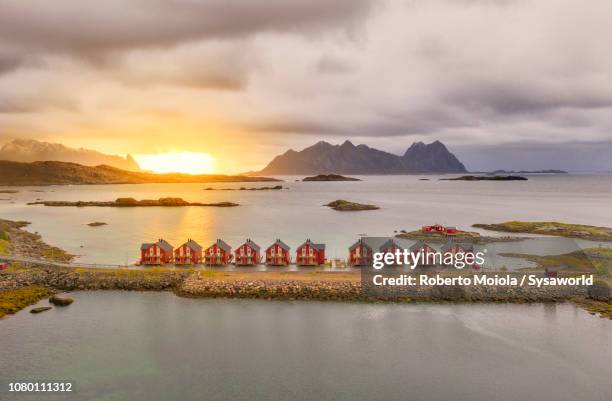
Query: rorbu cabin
x=310 y=254
x=453 y=248
x=439 y=229
x=426 y=250
x=392 y=245
x=247 y=254
x=278 y=254
x=360 y=253
x=156 y=253
x=190 y=253
x=218 y=254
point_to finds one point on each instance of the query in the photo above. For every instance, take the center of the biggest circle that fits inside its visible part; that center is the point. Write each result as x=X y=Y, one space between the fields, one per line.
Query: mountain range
x=29 y=150
x=325 y=158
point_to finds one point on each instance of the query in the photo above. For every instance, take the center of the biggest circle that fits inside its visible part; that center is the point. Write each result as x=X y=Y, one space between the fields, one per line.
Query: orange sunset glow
x=178 y=162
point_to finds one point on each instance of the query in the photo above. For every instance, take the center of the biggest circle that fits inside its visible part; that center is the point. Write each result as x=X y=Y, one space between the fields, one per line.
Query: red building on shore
x=439 y=229
x=247 y=254
x=190 y=253
x=218 y=254
x=453 y=248
x=156 y=253
x=360 y=253
x=310 y=254
x=278 y=254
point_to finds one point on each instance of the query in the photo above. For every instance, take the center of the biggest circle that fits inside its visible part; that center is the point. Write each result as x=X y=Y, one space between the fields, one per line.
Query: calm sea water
x=155 y=346
x=296 y=213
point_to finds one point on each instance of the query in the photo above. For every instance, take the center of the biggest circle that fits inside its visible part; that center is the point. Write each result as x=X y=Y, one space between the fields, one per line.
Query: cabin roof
x=252 y=245
x=401 y=243
x=467 y=247
x=378 y=243
x=193 y=245
x=163 y=244
x=281 y=244
x=418 y=245
x=357 y=243
x=319 y=247
x=223 y=245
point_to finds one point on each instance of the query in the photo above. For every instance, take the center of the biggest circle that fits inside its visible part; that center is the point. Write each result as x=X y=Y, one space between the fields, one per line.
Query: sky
x=505 y=84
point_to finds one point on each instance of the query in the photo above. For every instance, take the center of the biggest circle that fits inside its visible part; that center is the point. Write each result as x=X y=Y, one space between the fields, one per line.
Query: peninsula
x=131 y=202
x=61 y=173
x=582 y=231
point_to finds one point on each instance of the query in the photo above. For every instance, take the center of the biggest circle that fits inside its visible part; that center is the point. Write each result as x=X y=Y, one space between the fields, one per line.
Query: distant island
x=346 y=206
x=274 y=188
x=330 y=177
x=325 y=158
x=97 y=224
x=486 y=178
x=61 y=173
x=131 y=202
x=529 y=172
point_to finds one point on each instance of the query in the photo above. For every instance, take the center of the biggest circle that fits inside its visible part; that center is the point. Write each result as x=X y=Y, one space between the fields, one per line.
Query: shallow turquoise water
x=156 y=346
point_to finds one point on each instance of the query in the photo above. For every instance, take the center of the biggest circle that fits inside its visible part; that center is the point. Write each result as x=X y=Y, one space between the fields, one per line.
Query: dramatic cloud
x=531 y=77
x=89 y=26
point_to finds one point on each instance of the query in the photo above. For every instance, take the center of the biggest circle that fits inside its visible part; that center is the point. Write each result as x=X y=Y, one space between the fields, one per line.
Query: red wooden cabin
x=360 y=253
x=156 y=253
x=278 y=254
x=310 y=254
x=453 y=248
x=440 y=229
x=190 y=253
x=218 y=254
x=422 y=247
x=247 y=254
x=3 y=266
x=392 y=245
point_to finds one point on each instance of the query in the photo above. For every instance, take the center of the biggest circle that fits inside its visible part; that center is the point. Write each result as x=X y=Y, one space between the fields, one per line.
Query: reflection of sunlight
x=181 y=162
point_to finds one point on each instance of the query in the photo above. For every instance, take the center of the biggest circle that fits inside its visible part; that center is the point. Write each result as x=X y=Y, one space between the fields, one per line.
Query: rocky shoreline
x=22 y=243
x=318 y=286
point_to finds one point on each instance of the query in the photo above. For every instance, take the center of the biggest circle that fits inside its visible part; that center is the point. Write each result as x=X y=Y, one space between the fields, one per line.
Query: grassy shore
x=591 y=260
x=14 y=240
x=592 y=233
x=12 y=301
